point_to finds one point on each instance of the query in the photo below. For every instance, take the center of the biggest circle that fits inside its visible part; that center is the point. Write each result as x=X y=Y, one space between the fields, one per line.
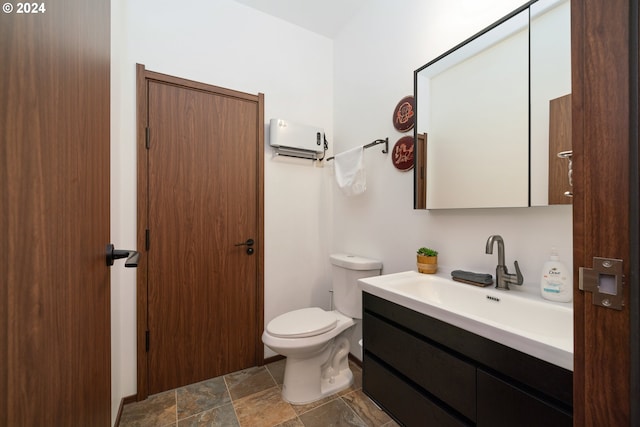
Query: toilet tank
x=346 y=270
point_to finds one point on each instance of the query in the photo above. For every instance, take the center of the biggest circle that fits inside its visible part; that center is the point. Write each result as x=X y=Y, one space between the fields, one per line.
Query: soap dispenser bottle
x=556 y=284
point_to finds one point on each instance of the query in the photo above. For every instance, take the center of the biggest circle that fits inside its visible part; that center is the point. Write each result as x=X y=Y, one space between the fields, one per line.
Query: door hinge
x=146 y=341
x=146 y=239
x=147 y=138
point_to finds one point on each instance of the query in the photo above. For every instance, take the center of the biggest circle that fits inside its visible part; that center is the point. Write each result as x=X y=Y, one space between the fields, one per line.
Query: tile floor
x=251 y=398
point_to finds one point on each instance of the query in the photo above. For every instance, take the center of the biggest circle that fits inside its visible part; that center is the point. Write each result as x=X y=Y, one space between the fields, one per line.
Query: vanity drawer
x=409 y=406
x=501 y=404
x=439 y=373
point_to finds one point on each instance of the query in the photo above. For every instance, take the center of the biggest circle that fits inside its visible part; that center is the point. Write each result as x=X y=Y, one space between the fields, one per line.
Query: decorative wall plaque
x=404 y=114
x=403 y=153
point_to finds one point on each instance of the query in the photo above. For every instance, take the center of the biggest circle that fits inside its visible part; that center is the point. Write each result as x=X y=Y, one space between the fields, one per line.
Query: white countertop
x=516 y=318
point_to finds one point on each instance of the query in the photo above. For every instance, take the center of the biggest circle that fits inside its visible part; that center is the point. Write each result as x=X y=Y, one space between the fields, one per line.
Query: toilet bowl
x=311 y=370
x=315 y=342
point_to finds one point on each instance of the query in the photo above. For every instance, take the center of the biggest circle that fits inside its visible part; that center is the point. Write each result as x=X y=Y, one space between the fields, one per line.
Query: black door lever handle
x=113 y=254
x=249 y=242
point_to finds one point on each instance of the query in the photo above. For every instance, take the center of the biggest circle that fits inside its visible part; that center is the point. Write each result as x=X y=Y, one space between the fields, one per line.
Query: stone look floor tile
x=301 y=409
x=263 y=409
x=365 y=408
x=291 y=423
x=336 y=413
x=276 y=369
x=249 y=381
x=156 y=410
x=202 y=396
x=253 y=398
x=221 y=416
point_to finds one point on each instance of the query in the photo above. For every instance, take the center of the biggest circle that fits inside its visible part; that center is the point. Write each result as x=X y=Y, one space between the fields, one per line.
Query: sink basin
x=515 y=318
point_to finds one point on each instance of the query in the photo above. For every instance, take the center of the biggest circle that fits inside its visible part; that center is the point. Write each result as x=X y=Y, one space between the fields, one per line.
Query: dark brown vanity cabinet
x=425 y=372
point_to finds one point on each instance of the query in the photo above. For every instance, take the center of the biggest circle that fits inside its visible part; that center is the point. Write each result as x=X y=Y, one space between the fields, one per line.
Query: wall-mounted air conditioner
x=296 y=140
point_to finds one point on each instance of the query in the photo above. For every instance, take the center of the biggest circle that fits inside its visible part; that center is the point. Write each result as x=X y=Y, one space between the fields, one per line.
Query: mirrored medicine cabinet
x=493 y=113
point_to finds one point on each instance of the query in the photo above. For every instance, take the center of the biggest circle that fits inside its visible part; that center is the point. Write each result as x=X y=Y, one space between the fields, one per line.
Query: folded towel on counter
x=349 y=170
x=478 y=279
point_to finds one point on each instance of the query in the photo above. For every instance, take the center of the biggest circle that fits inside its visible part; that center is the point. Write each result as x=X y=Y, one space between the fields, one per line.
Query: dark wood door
x=204 y=196
x=54 y=214
x=604 y=138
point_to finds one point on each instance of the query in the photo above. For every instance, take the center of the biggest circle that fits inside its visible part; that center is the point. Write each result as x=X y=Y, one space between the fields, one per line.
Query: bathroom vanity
x=426 y=371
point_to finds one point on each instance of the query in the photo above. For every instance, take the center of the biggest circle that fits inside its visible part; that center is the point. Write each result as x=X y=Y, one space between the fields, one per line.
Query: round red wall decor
x=404 y=114
x=403 y=153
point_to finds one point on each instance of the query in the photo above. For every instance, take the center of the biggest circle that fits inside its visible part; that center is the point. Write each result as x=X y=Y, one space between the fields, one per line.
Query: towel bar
x=372 y=144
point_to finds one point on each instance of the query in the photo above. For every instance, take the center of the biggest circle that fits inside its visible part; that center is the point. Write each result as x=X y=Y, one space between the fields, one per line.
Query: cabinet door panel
x=408 y=405
x=501 y=404
x=438 y=372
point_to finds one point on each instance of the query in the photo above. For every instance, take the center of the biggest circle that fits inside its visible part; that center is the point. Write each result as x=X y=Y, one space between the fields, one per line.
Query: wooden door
x=54 y=214
x=204 y=287
x=605 y=215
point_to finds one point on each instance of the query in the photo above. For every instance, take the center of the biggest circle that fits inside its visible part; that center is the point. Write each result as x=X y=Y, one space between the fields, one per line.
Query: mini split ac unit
x=296 y=140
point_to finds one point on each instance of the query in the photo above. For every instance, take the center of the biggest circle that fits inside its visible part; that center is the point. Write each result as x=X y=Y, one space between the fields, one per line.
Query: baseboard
x=355 y=360
x=124 y=401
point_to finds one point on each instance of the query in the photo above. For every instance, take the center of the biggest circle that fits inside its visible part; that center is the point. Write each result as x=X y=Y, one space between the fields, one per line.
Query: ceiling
x=326 y=17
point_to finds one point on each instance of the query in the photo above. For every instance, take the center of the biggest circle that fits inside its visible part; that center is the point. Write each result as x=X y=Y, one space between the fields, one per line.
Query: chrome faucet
x=503 y=278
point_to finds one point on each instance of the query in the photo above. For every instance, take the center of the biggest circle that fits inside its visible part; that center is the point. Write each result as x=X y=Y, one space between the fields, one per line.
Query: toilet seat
x=306 y=322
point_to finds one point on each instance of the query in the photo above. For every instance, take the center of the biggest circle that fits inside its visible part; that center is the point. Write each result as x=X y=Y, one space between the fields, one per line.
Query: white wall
x=224 y=43
x=368 y=84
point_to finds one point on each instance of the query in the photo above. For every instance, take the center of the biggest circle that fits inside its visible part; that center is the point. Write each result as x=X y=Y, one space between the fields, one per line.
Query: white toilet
x=316 y=342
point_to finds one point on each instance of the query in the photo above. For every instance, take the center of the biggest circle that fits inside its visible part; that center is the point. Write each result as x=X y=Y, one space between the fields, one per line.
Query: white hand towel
x=349 y=170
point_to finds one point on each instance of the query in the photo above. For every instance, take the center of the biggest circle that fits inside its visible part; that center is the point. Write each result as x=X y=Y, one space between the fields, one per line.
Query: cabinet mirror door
x=483 y=113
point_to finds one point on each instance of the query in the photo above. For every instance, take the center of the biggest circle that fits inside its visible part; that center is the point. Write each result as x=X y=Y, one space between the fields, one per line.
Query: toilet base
x=338 y=383
x=308 y=380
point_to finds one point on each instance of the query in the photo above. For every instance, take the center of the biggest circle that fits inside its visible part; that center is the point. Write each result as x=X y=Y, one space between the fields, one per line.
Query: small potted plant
x=427 y=260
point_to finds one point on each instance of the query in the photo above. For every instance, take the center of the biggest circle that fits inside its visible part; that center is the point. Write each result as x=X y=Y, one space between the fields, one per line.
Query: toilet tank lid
x=355 y=262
